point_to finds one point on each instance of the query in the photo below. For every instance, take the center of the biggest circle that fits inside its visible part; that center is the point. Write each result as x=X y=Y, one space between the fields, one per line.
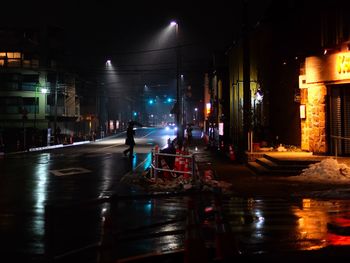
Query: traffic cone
x=208 y=175
x=177 y=160
x=166 y=174
x=232 y=153
x=194 y=247
x=225 y=243
x=186 y=169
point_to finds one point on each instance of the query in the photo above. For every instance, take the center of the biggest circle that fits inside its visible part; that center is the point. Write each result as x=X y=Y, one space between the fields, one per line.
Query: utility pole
x=55 y=116
x=246 y=78
x=179 y=112
x=35 y=104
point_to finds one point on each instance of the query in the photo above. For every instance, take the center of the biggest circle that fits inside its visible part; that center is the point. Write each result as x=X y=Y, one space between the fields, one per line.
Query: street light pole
x=35 y=103
x=55 y=116
x=178 y=102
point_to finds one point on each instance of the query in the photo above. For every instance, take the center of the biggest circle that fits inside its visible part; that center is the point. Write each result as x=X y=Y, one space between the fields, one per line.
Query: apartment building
x=37 y=94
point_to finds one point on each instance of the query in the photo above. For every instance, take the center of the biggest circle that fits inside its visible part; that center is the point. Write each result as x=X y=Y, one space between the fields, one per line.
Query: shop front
x=325 y=104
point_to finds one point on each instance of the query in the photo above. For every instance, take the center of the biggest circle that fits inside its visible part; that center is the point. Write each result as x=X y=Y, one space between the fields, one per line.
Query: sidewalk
x=245 y=183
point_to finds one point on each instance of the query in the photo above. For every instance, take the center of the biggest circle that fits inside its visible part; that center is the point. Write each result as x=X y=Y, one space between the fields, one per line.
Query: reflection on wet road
x=265 y=226
x=260 y=226
x=29 y=181
x=63 y=177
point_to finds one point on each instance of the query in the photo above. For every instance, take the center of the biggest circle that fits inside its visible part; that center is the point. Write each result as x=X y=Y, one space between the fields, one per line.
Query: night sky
x=131 y=34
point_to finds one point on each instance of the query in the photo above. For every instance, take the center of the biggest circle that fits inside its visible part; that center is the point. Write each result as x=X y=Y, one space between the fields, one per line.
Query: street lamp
x=178 y=108
x=36 y=101
x=195 y=115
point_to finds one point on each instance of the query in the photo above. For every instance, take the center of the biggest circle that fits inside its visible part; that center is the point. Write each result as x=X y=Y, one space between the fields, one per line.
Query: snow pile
x=327 y=170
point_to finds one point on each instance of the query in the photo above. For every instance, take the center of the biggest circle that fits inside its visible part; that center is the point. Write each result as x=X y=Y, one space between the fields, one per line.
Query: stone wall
x=313 y=128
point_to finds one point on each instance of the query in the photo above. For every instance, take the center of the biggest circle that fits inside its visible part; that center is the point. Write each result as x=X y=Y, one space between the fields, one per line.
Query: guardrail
x=336 y=143
x=155 y=162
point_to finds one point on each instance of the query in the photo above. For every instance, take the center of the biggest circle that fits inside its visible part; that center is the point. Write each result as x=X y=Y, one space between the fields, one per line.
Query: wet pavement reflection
x=260 y=226
x=146 y=226
x=67 y=178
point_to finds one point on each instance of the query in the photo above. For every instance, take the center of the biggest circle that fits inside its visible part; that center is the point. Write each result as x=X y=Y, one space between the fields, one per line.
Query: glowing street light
x=178 y=112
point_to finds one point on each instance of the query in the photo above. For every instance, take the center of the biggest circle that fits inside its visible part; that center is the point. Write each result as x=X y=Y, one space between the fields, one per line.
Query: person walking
x=130 y=140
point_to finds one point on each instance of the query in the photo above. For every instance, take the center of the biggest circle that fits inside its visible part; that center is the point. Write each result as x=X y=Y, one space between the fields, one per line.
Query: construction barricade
x=183 y=165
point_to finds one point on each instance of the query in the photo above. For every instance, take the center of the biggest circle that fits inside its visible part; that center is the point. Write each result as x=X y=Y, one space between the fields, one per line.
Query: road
x=63 y=175
x=66 y=178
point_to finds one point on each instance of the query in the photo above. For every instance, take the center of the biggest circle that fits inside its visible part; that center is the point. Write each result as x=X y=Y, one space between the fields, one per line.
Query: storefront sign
x=330 y=68
x=343 y=63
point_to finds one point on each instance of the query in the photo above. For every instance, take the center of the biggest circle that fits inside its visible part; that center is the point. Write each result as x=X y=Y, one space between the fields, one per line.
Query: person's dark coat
x=130 y=136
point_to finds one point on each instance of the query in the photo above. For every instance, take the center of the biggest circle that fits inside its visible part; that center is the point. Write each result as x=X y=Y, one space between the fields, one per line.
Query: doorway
x=339 y=119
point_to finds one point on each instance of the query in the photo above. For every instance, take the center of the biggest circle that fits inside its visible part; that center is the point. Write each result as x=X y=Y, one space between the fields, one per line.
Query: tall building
x=37 y=95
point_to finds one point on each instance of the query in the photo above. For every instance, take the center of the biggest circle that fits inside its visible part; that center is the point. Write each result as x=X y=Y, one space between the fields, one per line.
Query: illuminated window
x=2 y=54
x=16 y=55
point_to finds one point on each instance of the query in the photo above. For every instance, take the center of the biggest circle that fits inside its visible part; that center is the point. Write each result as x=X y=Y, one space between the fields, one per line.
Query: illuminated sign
x=302 y=111
x=221 y=128
x=208 y=108
x=111 y=125
x=343 y=63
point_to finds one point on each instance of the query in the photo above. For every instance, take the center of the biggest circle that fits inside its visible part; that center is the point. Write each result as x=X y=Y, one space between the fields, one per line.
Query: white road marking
x=70 y=171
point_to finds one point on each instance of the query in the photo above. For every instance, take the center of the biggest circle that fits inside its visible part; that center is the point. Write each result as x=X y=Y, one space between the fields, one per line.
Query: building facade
x=37 y=96
x=288 y=78
x=324 y=83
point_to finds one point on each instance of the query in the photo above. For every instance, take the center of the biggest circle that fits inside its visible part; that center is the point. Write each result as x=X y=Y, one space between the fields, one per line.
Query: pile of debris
x=202 y=181
x=175 y=169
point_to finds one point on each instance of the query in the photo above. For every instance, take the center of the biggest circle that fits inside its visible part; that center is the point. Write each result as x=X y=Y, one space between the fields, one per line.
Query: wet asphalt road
x=29 y=181
x=66 y=178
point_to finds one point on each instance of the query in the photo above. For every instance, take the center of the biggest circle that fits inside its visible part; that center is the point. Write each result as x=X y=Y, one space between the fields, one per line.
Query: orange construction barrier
x=186 y=169
x=208 y=175
x=232 y=153
x=166 y=175
x=177 y=160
